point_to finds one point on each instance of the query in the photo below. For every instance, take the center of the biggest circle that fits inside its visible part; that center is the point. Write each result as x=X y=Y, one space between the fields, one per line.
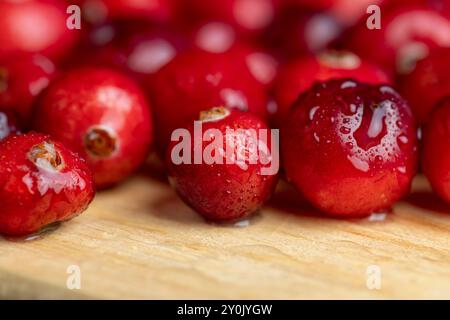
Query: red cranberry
x=428 y=83
x=35 y=26
x=297 y=32
x=21 y=81
x=197 y=80
x=246 y=16
x=103 y=116
x=407 y=35
x=436 y=149
x=139 y=49
x=225 y=184
x=350 y=148
x=216 y=37
x=41 y=182
x=97 y=11
x=8 y=124
x=346 y=11
x=299 y=75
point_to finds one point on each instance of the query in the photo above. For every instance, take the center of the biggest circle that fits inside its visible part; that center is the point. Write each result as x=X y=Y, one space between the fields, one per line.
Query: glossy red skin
x=198 y=80
x=299 y=75
x=222 y=192
x=101 y=10
x=428 y=83
x=33 y=197
x=217 y=37
x=91 y=97
x=436 y=149
x=343 y=168
x=21 y=81
x=35 y=26
x=347 y=11
x=407 y=34
x=8 y=124
x=247 y=17
x=297 y=32
x=138 y=49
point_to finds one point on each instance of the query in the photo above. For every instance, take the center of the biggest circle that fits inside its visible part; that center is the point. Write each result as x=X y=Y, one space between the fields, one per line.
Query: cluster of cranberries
x=81 y=109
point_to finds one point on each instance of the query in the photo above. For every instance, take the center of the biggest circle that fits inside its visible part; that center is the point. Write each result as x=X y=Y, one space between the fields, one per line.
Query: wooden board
x=140 y=241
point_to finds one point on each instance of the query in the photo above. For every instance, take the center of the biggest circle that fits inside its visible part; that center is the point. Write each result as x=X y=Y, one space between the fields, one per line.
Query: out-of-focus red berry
x=299 y=75
x=407 y=34
x=199 y=80
x=436 y=149
x=35 y=26
x=428 y=83
x=21 y=81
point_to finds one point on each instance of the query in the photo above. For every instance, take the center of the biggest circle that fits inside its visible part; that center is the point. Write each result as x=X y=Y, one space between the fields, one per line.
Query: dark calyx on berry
x=99 y=142
x=45 y=156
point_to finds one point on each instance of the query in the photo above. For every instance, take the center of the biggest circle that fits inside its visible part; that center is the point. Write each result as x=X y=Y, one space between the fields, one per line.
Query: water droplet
x=403 y=139
x=402 y=169
x=358 y=163
x=37 y=235
x=312 y=112
x=378 y=216
x=348 y=84
x=316 y=137
x=345 y=130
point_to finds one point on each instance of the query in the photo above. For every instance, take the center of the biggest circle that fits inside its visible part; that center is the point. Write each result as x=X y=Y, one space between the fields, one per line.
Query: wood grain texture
x=140 y=241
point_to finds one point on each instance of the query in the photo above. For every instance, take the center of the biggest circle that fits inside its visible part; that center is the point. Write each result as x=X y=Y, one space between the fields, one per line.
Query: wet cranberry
x=299 y=75
x=35 y=26
x=21 y=81
x=408 y=33
x=8 y=124
x=428 y=83
x=41 y=182
x=103 y=116
x=229 y=182
x=198 y=80
x=436 y=149
x=350 y=148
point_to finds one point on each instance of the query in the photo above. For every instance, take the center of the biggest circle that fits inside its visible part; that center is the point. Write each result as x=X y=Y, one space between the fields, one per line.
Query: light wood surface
x=140 y=241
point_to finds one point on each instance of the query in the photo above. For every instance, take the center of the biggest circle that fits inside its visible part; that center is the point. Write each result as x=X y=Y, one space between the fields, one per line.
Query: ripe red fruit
x=407 y=34
x=246 y=16
x=41 y=182
x=350 y=148
x=428 y=83
x=8 y=124
x=99 y=11
x=216 y=37
x=222 y=189
x=103 y=116
x=138 y=49
x=436 y=149
x=198 y=80
x=299 y=75
x=35 y=26
x=299 y=31
x=347 y=11
x=21 y=81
